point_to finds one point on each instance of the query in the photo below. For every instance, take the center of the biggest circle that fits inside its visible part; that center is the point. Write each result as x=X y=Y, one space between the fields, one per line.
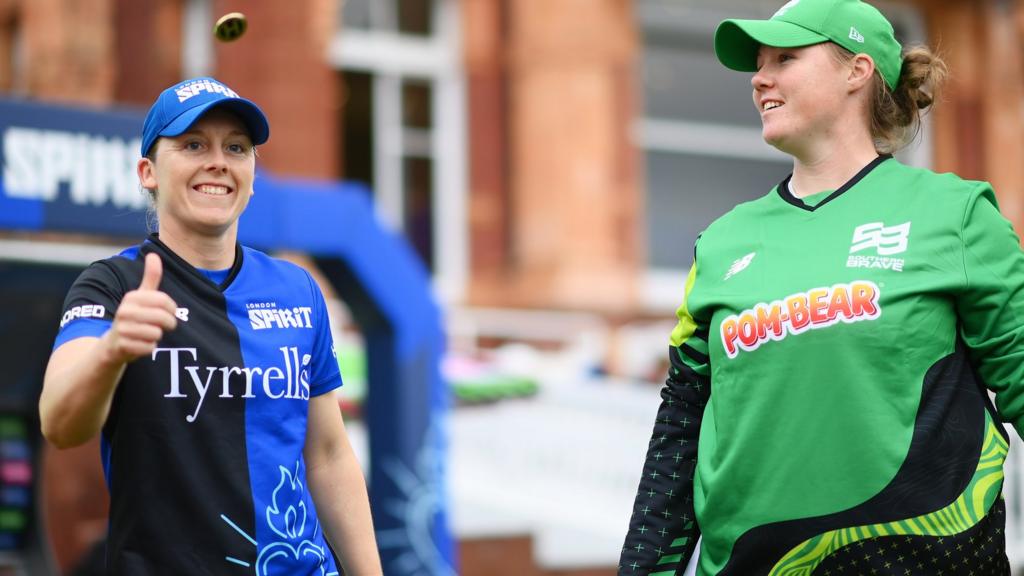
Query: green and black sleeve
x=663 y=531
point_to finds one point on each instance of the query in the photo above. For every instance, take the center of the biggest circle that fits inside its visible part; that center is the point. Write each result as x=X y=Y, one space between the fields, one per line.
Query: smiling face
x=202 y=178
x=801 y=94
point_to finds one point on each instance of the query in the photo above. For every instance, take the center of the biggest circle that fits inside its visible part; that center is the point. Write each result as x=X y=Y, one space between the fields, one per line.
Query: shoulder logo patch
x=739 y=265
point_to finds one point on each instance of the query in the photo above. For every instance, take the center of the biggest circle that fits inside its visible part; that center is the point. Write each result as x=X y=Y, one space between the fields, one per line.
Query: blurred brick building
x=555 y=154
x=538 y=153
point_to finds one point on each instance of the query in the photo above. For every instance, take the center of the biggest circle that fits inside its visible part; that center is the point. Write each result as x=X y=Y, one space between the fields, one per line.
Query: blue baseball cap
x=179 y=106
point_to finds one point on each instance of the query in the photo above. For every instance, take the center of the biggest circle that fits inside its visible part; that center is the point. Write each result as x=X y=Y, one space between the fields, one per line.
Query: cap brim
x=250 y=113
x=737 y=41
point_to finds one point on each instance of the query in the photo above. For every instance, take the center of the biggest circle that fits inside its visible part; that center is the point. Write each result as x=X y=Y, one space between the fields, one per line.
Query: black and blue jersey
x=203 y=445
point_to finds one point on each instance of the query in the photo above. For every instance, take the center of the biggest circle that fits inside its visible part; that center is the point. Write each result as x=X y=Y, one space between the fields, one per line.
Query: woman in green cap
x=827 y=407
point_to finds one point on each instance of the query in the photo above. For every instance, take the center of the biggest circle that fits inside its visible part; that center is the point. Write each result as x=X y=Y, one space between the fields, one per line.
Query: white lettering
x=96 y=170
x=287 y=319
x=226 y=372
x=288 y=369
x=248 y=380
x=885 y=263
x=175 y=383
x=304 y=375
x=294 y=376
x=265 y=315
x=84 y=311
x=256 y=320
x=195 y=88
x=272 y=373
x=201 y=387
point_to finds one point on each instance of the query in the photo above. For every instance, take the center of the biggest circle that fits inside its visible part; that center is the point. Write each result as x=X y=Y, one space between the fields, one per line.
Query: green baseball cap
x=857 y=26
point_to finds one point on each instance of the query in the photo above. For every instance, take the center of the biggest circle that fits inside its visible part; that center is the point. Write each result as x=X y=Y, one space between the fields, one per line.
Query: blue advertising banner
x=70 y=170
x=73 y=170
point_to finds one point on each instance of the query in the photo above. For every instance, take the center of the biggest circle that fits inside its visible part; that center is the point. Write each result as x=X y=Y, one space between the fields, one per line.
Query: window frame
x=391 y=57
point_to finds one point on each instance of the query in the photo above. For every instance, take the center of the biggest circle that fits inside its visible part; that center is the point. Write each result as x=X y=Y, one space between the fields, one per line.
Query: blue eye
x=193 y=145
x=237 y=149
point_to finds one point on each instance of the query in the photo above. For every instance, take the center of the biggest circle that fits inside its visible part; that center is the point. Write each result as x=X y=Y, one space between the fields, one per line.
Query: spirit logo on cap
x=186 y=91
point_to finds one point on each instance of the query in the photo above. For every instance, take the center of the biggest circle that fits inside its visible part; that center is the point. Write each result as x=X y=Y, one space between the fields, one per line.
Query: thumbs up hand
x=142 y=317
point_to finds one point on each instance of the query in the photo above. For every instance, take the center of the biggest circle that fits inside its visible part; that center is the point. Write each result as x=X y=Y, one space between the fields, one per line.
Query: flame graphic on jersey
x=796 y=313
x=286 y=517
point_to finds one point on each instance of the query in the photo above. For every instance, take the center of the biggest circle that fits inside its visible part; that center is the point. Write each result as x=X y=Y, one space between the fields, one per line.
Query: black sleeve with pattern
x=662 y=531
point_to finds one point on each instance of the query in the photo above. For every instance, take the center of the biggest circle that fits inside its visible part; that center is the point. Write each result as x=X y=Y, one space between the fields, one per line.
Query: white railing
x=564 y=466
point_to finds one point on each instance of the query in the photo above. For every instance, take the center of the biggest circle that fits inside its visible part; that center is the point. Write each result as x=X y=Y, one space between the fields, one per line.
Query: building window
x=700 y=133
x=412 y=17
x=403 y=124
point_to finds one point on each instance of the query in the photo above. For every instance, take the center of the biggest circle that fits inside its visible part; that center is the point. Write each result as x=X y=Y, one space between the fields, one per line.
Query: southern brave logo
x=885 y=240
x=740 y=265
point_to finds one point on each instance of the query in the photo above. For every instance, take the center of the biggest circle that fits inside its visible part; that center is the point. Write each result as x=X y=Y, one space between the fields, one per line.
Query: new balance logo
x=886 y=241
x=855 y=35
x=739 y=265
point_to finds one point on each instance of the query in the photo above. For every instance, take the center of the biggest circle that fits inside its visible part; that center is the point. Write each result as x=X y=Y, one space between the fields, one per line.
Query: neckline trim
x=236 y=266
x=785 y=194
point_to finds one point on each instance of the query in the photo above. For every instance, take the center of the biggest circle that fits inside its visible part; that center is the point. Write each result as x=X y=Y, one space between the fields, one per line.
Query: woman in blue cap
x=827 y=407
x=208 y=368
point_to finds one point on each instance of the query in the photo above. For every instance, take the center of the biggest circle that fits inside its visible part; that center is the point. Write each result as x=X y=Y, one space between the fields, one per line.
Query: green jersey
x=826 y=408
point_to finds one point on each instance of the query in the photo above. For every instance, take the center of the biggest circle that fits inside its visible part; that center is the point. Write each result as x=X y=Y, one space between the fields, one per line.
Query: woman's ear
x=862 y=70
x=146 y=171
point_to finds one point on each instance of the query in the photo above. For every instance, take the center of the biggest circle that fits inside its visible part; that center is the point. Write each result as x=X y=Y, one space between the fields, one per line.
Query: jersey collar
x=783 y=187
x=181 y=263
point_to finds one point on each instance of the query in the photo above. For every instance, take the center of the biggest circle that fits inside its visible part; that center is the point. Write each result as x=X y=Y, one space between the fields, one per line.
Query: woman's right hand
x=142 y=317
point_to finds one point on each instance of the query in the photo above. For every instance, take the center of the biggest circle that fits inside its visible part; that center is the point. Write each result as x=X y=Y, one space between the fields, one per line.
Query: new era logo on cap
x=855 y=35
x=785 y=8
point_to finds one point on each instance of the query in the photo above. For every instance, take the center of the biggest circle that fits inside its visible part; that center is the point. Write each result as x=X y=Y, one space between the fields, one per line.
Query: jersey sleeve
x=991 y=306
x=662 y=530
x=90 y=304
x=324 y=372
